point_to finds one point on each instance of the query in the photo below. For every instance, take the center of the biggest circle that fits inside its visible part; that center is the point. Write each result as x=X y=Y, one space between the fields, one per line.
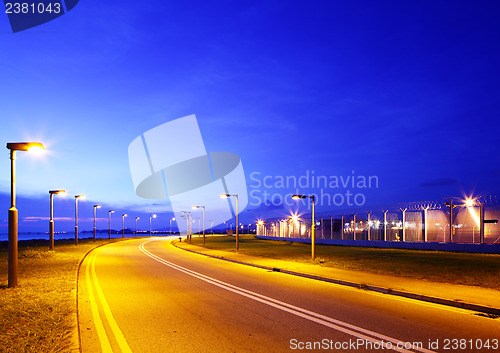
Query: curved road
x=145 y=295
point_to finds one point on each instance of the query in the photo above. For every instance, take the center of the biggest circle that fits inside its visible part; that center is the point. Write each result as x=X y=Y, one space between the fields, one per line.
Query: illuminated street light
x=12 y=257
x=188 y=222
x=109 y=222
x=211 y=226
x=171 y=219
x=76 y=217
x=123 y=224
x=51 y=222
x=151 y=216
x=195 y=207
x=136 y=218
x=95 y=206
x=313 y=241
x=225 y=196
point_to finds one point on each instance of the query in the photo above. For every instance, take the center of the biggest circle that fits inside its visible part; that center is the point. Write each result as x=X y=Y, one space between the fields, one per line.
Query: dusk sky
x=404 y=92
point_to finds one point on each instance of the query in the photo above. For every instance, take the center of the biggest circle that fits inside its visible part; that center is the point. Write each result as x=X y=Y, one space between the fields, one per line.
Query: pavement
x=483 y=300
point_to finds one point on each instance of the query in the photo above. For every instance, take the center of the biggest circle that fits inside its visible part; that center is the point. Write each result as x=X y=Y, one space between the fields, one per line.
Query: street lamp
x=188 y=220
x=171 y=219
x=95 y=206
x=76 y=217
x=313 y=241
x=151 y=216
x=195 y=207
x=51 y=222
x=109 y=222
x=225 y=196
x=211 y=227
x=123 y=224
x=12 y=257
x=136 y=218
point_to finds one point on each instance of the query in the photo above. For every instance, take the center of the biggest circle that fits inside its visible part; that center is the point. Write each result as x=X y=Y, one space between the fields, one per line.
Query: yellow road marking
x=101 y=332
x=105 y=345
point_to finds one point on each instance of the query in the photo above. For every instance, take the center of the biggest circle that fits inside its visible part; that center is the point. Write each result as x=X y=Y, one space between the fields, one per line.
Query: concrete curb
x=426 y=298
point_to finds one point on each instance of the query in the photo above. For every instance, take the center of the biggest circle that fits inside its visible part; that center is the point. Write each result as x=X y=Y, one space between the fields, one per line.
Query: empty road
x=145 y=295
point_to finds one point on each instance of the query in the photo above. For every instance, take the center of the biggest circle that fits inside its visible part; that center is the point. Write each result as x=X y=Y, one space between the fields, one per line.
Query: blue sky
x=404 y=91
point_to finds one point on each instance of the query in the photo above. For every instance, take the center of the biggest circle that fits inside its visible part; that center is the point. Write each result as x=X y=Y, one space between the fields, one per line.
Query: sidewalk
x=474 y=298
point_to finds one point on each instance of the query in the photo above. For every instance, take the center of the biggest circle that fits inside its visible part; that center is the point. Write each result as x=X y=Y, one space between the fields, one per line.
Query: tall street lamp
x=76 y=217
x=313 y=241
x=195 y=207
x=171 y=219
x=188 y=220
x=225 y=196
x=151 y=216
x=123 y=224
x=109 y=222
x=136 y=218
x=51 y=222
x=12 y=260
x=95 y=206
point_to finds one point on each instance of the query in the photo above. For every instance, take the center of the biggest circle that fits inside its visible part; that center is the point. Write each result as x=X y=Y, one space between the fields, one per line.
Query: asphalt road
x=145 y=295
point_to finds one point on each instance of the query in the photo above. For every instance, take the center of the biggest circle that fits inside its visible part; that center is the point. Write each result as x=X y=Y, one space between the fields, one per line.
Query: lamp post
x=51 y=222
x=136 y=218
x=211 y=227
x=171 y=219
x=151 y=216
x=12 y=256
x=109 y=222
x=95 y=206
x=188 y=224
x=195 y=207
x=76 y=217
x=225 y=196
x=313 y=241
x=123 y=224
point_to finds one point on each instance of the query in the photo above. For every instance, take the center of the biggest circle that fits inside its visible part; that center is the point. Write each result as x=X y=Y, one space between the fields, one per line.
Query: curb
x=426 y=298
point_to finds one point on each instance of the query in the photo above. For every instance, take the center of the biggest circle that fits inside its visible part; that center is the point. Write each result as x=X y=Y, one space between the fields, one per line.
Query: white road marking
x=309 y=315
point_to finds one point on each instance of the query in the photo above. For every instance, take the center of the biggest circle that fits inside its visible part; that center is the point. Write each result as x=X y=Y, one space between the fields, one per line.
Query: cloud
x=438 y=182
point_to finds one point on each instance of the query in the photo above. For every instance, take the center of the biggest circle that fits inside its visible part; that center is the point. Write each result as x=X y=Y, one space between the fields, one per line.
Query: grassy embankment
x=446 y=267
x=40 y=314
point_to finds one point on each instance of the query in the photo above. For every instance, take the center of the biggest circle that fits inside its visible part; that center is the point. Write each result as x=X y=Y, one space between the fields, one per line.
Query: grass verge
x=40 y=314
x=482 y=270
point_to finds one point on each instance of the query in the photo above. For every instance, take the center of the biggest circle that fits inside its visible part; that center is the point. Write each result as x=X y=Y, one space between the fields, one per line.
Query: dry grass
x=40 y=314
x=458 y=268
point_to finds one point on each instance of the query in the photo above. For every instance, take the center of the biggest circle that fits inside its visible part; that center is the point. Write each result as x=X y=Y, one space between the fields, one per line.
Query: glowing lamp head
x=26 y=146
x=111 y=211
x=124 y=215
x=260 y=223
x=298 y=197
x=79 y=196
x=97 y=206
x=225 y=196
x=153 y=215
x=469 y=202
x=55 y=192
